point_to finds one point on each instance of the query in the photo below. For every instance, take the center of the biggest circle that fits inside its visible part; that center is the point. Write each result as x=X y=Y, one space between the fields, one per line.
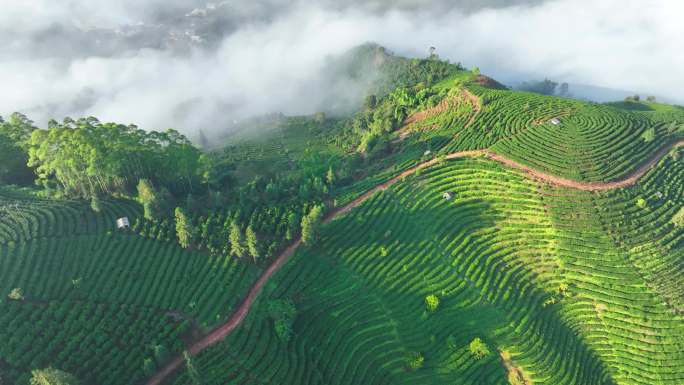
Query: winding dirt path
x=224 y=330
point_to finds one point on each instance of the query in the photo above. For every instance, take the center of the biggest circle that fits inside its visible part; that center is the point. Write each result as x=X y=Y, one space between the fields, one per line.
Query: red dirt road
x=224 y=330
x=631 y=179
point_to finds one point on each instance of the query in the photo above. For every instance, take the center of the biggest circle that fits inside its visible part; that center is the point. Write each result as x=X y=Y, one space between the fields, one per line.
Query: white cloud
x=276 y=62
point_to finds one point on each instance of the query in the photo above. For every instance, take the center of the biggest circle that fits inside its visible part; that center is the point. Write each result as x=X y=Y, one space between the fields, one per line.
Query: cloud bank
x=188 y=64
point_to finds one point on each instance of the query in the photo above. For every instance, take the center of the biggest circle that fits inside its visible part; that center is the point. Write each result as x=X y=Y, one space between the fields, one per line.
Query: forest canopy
x=86 y=158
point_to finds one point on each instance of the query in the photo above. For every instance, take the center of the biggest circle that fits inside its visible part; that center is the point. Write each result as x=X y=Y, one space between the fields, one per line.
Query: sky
x=190 y=65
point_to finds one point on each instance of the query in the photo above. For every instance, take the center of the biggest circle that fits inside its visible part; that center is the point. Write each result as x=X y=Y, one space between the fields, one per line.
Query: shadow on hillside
x=461 y=239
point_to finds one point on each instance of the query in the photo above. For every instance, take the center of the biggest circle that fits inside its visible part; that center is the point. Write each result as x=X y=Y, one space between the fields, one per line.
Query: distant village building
x=447 y=195
x=123 y=223
x=555 y=121
x=427 y=152
x=659 y=195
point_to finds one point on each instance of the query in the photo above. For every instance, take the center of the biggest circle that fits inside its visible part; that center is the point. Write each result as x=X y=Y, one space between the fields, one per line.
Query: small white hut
x=123 y=223
x=555 y=121
x=447 y=195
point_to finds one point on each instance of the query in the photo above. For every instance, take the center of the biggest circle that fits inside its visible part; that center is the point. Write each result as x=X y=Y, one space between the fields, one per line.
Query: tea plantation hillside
x=103 y=304
x=569 y=138
x=450 y=231
x=563 y=286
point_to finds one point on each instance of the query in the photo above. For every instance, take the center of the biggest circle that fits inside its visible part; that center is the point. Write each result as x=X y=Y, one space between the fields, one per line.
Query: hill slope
x=556 y=259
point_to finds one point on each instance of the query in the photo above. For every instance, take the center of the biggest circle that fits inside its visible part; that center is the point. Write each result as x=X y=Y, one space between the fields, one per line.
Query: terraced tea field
x=592 y=142
x=105 y=305
x=276 y=148
x=565 y=282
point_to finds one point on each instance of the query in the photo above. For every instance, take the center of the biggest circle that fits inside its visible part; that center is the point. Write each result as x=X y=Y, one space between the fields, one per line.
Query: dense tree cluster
x=14 y=135
x=546 y=87
x=85 y=158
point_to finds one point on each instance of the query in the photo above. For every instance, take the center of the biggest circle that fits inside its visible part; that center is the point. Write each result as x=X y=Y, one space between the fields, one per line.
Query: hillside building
x=447 y=195
x=555 y=121
x=123 y=223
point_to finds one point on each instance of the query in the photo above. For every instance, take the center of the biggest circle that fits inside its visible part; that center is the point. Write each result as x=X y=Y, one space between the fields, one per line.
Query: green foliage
x=252 y=243
x=161 y=354
x=397 y=71
x=478 y=348
x=370 y=102
x=641 y=203
x=431 y=302
x=69 y=321
x=14 y=134
x=16 y=294
x=311 y=224
x=369 y=142
x=648 y=135
x=237 y=248
x=360 y=296
x=95 y=204
x=148 y=197
x=86 y=157
x=330 y=177
x=183 y=228
x=193 y=373
x=383 y=251
x=678 y=218
x=544 y=87
x=415 y=361
x=283 y=313
x=51 y=376
x=672 y=127
x=149 y=367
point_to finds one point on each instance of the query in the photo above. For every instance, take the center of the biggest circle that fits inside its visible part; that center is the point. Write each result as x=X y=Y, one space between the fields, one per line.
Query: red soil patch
x=447 y=103
x=487 y=82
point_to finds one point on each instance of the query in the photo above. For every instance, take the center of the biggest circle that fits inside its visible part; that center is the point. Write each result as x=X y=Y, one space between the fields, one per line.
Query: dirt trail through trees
x=224 y=330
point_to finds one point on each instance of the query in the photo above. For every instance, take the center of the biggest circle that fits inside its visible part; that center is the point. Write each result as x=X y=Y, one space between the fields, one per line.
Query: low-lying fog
x=191 y=64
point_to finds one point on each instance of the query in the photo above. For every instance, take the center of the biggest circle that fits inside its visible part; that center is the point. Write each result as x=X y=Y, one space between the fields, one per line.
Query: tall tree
x=330 y=177
x=86 y=157
x=148 y=197
x=183 y=228
x=14 y=135
x=311 y=224
x=252 y=243
x=95 y=203
x=237 y=248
